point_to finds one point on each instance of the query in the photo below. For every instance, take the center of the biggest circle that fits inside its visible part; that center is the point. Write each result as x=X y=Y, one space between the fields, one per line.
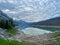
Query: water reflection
x=35 y=31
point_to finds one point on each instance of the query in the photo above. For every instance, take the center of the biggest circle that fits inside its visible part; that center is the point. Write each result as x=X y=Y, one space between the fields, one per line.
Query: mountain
x=5 y=21
x=50 y=22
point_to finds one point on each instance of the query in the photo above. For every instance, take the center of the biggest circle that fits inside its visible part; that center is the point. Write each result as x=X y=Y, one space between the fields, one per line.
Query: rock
x=3 y=34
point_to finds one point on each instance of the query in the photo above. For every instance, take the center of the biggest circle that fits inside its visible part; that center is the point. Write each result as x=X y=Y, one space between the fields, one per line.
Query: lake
x=34 y=31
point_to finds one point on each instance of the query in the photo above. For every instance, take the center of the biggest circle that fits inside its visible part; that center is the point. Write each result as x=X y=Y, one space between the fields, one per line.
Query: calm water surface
x=34 y=31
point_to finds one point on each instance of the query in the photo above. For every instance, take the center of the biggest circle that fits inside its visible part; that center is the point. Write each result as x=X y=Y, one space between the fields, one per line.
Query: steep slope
x=5 y=21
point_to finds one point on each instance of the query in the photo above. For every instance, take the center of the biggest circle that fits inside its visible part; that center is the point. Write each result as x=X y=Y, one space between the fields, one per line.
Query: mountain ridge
x=50 y=22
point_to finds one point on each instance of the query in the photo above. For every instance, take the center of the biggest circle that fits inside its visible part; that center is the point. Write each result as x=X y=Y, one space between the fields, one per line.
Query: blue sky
x=31 y=10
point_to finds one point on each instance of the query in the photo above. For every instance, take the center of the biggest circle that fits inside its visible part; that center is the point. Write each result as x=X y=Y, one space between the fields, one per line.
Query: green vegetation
x=11 y=32
x=58 y=39
x=56 y=36
x=8 y=25
x=13 y=42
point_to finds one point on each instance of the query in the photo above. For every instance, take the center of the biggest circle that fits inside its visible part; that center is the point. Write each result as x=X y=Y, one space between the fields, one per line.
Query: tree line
x=7 y=24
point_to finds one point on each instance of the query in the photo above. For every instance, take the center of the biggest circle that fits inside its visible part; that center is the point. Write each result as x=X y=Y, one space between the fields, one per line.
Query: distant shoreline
x=46 y=26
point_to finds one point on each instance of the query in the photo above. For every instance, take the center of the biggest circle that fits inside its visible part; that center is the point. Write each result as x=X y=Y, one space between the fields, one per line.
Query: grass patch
x=58 y=39
x=13 y=42
x=11 y=32
x=56 y=34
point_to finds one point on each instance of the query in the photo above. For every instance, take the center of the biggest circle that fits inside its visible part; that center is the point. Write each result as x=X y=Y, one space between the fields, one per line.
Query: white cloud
x=9 y=11
x=57 y=15
x=11 y=1
x=45 y=1
x=13 y=12
x=30 y=0
x=28 y=8
x=2 y=1
x=35 y=18
x=14 y=18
